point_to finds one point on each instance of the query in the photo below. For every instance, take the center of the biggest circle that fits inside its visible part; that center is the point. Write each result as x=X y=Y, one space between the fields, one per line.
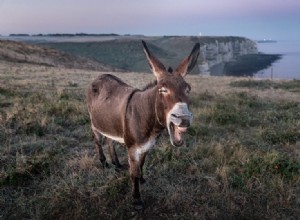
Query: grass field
x=241 y=159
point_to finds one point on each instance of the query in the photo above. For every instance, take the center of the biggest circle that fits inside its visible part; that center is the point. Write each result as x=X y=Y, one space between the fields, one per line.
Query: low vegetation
x=292 y=85
x=241 y=159
x=18 y=52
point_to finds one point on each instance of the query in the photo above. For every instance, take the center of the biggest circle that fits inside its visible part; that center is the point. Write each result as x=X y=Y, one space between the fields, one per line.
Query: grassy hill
x=241 y=159
x=19 y=52
x=126 y=53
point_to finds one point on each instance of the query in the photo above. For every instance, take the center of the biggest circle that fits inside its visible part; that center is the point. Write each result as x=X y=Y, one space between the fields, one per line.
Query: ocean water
x=288 y=67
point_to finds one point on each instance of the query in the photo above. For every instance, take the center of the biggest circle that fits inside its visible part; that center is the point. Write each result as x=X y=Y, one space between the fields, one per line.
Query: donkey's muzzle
x=179 y=119
x=182 y=120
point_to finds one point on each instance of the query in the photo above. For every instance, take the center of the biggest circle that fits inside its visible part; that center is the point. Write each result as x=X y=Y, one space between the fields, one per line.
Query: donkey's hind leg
x=143 y=157
x=113 y=155
x=97 y=138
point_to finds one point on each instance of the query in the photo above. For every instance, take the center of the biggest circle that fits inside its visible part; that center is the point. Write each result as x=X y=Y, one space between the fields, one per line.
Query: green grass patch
x=7 y=92
x=292 y=85
x=271 y=166
x=224 y=114
x=275 y=136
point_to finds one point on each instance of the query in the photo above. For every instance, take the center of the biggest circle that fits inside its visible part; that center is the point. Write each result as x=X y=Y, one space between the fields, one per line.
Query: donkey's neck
x=146 y=105
x=141 y=122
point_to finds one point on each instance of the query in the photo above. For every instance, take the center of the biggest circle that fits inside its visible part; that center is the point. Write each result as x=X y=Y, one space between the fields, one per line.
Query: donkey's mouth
x=176 y=133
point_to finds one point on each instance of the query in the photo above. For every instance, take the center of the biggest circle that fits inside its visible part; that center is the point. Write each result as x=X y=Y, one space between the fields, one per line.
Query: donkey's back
x=107 y=99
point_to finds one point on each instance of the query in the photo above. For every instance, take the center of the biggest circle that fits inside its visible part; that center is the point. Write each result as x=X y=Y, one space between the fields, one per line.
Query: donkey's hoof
x=104 y=164
x=138 y=204
x=142 y=180
x=118 y=168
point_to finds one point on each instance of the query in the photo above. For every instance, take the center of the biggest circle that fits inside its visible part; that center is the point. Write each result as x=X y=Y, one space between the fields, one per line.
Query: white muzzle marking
x=175 y=116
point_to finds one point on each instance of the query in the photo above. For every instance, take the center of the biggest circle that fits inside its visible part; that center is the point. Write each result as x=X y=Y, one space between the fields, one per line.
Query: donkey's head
x=173 y=94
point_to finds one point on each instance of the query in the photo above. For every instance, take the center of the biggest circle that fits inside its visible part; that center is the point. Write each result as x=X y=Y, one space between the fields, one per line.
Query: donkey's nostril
x=185 y=123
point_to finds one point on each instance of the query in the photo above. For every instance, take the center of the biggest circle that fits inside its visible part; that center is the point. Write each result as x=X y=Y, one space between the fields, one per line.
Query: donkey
x=136 y=117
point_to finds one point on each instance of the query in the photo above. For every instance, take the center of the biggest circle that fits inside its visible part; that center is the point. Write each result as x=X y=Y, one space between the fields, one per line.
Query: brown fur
x=137 y=117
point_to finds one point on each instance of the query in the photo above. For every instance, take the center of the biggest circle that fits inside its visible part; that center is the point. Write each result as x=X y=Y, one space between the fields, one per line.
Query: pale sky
x=255 y=19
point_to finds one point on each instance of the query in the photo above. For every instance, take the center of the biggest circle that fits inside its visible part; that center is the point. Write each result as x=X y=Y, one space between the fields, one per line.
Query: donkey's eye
x=162 y=90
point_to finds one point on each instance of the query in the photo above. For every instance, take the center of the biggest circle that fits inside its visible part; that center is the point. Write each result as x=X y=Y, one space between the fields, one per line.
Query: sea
x=288 y=67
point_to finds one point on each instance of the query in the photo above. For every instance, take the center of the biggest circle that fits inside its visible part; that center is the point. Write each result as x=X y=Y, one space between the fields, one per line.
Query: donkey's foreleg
x=135 y=177
x=99 y=148
x=113 y=154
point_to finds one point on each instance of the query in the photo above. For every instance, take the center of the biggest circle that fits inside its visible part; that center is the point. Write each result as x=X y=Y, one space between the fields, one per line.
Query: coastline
x=288 y=67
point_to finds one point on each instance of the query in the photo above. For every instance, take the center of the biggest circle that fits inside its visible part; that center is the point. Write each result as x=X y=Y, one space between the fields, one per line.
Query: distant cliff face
x=214 y=55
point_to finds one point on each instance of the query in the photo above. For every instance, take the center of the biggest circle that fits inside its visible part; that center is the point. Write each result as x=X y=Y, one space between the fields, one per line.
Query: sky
x=255 y=19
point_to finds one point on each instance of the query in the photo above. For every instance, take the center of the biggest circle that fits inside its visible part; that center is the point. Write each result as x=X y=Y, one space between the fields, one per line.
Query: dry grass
x=241 y=159
x=19 y=52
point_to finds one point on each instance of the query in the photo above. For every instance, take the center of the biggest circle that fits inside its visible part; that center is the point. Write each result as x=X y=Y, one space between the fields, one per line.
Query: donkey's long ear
x=188 y=63
x=156 y=66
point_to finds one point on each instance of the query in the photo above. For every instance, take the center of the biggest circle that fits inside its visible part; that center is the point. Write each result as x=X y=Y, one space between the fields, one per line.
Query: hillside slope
x=14 y=51
x=126 y=52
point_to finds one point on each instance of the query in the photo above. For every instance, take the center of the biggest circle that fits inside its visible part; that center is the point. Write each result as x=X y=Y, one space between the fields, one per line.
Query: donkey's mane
x=150 y=85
